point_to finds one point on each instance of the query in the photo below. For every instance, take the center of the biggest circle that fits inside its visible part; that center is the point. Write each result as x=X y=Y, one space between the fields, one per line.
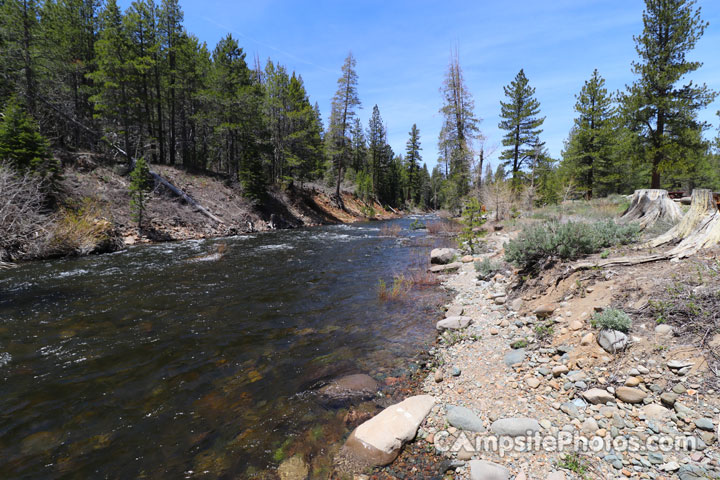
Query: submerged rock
x=378 y=441
x=351 y=387
x=293 y=468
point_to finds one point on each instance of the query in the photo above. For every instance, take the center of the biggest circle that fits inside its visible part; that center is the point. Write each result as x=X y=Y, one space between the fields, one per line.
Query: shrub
x=539 y=244
x=417 y=225
x=612 y=319
x=486 y=269
x=544 y=331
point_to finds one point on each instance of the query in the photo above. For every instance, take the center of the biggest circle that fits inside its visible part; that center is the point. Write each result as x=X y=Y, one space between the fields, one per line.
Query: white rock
x=379 y=440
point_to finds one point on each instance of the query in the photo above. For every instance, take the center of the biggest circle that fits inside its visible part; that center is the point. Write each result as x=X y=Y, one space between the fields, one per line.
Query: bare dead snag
x=650 y=205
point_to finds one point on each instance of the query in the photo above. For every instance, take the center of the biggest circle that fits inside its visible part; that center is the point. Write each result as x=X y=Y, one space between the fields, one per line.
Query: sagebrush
x=612 y=319
x=540 y=244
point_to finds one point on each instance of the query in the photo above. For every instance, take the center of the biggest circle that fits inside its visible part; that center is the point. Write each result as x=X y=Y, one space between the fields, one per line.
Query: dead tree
x=650 y=205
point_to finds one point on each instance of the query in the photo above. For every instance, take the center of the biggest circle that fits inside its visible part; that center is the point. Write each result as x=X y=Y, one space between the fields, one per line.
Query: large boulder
x=515 y=427
x=442 y=256
x=453 y=323
x=378 y=441
x=482 y=470
x=612 y=341
x=349 y=388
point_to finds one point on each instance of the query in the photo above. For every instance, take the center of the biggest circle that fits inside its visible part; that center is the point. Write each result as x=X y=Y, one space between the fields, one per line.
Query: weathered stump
x=650 y=205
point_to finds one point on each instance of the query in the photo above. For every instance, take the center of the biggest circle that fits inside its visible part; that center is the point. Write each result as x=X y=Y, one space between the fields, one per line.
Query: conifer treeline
x=158 y=92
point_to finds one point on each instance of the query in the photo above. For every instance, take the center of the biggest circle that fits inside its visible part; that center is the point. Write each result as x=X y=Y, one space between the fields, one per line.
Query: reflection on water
x=146 y=364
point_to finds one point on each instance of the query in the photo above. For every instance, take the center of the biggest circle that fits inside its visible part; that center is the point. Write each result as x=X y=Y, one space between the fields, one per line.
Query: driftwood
x=649 y=206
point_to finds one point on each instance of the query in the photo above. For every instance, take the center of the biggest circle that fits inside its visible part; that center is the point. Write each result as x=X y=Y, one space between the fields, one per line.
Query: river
x=157 y=362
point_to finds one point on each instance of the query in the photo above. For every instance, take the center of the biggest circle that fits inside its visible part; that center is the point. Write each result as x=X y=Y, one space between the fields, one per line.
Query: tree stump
x=702 y=205
x=699 y=229
x=650 y=205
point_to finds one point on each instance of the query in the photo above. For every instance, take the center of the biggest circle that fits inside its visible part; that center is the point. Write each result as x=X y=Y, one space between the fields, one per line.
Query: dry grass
x=390 y=230
x=447 y=226
x=422 y=279
x=80 y=229
x=398 y=290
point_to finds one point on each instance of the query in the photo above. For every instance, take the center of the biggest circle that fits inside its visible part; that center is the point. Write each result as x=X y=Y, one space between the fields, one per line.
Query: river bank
x=93 y=212
x=530 y=362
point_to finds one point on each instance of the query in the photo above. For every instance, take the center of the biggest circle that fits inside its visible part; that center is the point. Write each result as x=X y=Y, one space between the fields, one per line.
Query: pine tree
x=521 y=122
x=661 y=113
x=170 y=18
x=19 y=38
x=69 y=32
x=587 y=157
x=413 y=159
x=22 y=145
x=460 y=127
x=377 y=153
x=113 y=75
x=359 y=147
x=276 y=110
x=140 y=186
x=305 y=150
x=344 y=103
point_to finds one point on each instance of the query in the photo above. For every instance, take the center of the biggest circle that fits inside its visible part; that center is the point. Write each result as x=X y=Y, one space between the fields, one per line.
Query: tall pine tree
x=588 y=155
x=661 y=112
x=344 y=103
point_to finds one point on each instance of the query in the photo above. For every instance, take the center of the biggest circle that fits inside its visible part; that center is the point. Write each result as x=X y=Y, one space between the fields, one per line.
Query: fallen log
x=650 y=205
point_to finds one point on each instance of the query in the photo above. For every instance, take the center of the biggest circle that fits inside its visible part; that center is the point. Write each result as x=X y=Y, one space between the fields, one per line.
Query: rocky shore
x=523 y=386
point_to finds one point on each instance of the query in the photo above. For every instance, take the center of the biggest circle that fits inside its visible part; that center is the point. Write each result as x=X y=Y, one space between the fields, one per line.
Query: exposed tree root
x=649 y=206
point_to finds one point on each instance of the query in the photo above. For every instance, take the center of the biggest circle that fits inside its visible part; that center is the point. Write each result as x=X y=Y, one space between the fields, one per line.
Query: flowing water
x=157 y=362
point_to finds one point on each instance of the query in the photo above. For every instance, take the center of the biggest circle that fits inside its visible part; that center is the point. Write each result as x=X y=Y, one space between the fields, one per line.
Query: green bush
x=487 y=269
x=538 y=244
x=612 y=319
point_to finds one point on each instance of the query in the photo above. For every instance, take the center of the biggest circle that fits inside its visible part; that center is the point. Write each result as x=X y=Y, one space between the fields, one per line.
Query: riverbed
x=202 y=358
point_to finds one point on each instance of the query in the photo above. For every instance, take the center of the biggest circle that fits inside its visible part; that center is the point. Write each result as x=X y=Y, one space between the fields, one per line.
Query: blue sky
x=402 y=50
